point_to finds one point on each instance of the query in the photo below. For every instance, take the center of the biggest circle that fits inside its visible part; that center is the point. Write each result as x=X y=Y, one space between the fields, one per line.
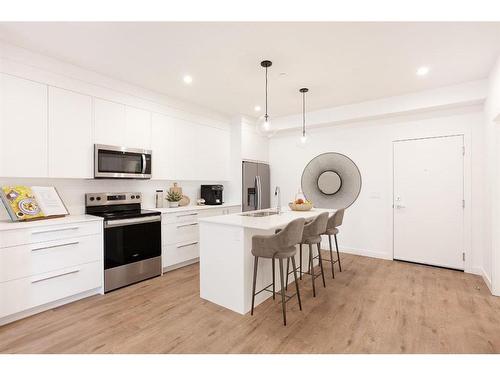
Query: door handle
x=259 y=193
x=55 y=245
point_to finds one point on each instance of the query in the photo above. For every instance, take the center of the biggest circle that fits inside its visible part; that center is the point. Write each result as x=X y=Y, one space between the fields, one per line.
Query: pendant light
x=264 y=125
x=303 y=138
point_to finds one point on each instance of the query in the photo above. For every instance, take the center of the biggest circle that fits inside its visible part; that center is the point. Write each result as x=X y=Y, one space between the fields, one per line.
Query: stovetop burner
x=125 y=214
x=114 y=206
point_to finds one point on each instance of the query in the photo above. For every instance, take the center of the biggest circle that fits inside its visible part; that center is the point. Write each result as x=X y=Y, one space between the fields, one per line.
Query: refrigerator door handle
x=259 y=193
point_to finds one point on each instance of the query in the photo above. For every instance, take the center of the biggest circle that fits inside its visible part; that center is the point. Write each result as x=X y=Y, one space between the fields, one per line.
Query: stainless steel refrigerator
x=256 y=186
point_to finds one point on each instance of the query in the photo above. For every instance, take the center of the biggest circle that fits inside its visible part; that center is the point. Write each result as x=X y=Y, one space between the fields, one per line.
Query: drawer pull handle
x=187 y=225
x=193 y=214
x=188 y=244
x=54 y=230
x=56 y=245
x=54 y=276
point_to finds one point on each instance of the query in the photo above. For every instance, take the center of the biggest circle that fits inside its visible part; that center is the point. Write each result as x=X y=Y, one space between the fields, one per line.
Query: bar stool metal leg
x=296 y=282
x=321 y=265
x=338 y=255
x=255 y=264
x=311 y=268
x=274 y=289
x=287 y=271
x=300 y=265
x=331 y=255
x=282 y=292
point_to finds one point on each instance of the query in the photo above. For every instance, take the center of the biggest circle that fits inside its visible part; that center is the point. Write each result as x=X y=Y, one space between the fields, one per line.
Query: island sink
x=260 y=213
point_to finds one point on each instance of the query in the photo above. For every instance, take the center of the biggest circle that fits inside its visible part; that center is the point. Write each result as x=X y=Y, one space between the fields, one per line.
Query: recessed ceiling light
x=187 y=79
x=257 y=108
x=422 y=71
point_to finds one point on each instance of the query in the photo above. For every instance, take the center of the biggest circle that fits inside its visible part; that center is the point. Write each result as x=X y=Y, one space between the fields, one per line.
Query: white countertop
x=265 y=222
x=9 y=225
x=192 y=207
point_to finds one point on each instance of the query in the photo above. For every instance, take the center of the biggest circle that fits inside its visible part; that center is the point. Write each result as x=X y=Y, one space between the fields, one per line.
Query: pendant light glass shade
x=263 y=125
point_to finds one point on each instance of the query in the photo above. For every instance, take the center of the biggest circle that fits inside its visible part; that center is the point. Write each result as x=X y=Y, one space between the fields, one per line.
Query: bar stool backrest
x=336 y=219
x=317 y=226
x=291 y=235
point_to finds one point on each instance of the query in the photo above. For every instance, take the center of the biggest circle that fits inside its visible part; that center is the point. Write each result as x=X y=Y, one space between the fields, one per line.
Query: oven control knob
x=98 y=198
x=137 y=196
x=92 y=199
x=132 y=196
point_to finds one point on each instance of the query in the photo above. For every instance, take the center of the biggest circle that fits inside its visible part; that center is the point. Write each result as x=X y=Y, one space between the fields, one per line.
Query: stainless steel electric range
x=132 y=238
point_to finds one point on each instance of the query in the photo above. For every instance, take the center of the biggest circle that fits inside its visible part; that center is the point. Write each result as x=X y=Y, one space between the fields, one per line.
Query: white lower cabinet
x=23 y=294
x=180 y=235
x=43 y=264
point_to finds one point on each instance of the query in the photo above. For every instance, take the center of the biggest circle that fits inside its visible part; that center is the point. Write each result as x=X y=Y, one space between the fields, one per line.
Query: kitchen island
x=226 y=260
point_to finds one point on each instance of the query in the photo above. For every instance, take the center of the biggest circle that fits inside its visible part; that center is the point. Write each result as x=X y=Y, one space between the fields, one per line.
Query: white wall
x=73 y=191
x=491 y=252
x=367 y=226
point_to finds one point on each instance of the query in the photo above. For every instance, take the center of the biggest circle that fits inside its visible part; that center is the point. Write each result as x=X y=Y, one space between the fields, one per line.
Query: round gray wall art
x=331 y=180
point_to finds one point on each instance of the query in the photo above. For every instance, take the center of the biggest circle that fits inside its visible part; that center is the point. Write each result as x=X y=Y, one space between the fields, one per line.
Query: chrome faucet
x=277 y=193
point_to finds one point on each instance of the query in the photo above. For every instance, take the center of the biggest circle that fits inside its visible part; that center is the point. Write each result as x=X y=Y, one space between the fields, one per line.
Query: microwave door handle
x=143 y=163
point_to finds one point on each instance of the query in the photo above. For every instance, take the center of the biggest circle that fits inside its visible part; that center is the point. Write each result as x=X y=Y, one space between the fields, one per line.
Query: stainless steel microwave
x=121 y=162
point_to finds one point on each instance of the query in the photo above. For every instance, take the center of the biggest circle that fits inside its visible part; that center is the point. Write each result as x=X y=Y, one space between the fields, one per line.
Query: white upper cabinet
x=163 y=146
x=23 y=128
x=185 y=150
x=138 y=128
x=70 y=134
x=253 y=145
x=120 y=125
x=109 y=123
x=212 y=153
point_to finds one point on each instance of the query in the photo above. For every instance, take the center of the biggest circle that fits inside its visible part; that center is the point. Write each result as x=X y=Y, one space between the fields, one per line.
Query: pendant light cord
x=266 y=116
x=303 y=114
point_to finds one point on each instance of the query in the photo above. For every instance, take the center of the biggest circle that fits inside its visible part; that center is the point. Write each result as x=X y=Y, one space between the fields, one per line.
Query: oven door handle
x=131 y=221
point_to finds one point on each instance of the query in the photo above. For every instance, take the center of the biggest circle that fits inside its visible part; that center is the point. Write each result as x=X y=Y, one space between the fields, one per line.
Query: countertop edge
x=6 y=225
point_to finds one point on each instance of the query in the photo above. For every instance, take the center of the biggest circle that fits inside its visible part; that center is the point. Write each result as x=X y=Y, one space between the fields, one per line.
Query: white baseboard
x=486 y=279
x=366 y=253
x=47 y=306
x=180 y=265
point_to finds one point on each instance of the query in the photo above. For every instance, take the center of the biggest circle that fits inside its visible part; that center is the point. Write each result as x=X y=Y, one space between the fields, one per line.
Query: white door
x=70 y=134
x=428 y=201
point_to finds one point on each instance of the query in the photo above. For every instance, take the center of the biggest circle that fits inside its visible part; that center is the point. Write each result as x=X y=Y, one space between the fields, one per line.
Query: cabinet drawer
x=180 y=217
x=17 y=237
x=22 y=294
x=180 y=232
x=175 y=254
x=33 y=259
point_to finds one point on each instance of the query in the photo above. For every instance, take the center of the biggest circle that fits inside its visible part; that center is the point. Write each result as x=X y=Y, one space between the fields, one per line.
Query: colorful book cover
x=30 y=203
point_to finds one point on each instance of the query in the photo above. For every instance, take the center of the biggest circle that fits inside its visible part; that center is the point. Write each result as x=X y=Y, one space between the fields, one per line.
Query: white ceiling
x=340 y=63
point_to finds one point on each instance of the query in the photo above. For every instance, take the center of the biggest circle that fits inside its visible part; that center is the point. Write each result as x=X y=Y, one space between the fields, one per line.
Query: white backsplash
x=73 y=191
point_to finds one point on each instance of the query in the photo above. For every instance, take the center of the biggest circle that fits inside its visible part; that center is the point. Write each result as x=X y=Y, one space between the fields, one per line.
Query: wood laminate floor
x=373 y=306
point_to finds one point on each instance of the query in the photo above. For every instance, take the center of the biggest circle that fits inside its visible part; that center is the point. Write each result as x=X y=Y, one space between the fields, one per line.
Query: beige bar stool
x=332 y=229
x=278 y=246
x=312 y=236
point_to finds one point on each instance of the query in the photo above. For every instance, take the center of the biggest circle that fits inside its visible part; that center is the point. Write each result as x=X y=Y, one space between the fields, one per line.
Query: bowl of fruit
x=300 y=205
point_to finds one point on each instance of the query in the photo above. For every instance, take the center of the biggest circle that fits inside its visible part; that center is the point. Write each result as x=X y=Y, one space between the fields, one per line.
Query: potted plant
x=173 y=198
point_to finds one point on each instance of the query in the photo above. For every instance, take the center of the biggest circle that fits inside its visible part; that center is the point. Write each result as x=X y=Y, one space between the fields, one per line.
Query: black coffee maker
x=212 y=194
